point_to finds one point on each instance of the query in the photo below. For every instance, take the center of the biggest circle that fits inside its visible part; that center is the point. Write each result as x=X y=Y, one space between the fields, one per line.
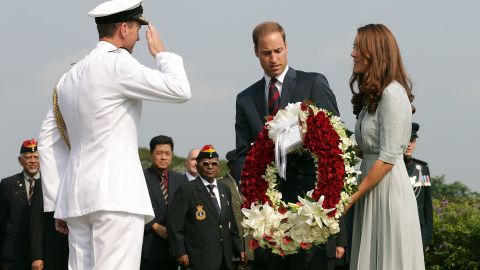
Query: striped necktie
x=273 y=97
x=31 y=184
x=164 y=186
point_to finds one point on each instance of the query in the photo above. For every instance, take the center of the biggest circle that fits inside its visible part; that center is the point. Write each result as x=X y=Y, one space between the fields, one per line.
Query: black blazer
x=46 y=243
x=154 y=247
x=196 y=229
x=37 y=221
x=250 y=118
x=15 y=220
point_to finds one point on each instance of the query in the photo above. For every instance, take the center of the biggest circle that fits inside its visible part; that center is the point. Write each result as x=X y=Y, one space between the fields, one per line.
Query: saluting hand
x=155 y=44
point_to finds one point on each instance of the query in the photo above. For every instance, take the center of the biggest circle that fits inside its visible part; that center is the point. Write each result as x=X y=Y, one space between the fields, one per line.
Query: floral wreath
x=286 y=228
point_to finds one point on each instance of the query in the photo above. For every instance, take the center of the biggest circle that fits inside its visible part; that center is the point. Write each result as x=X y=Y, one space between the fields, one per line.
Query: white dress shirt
x=279 y=84
x=190 y=177
x=215 y=189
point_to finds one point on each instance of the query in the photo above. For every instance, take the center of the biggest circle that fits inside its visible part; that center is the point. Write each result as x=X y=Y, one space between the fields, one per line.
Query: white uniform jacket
x=100 y=99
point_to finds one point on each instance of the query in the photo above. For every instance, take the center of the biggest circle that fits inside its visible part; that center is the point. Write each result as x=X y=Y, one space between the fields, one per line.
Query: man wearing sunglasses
x=201 y=225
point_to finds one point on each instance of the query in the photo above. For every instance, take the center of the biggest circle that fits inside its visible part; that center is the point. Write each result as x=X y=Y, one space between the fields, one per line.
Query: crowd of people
x=83 y=201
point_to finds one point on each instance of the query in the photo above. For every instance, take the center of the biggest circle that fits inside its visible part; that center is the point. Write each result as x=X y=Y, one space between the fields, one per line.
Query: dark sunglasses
x=208 y=163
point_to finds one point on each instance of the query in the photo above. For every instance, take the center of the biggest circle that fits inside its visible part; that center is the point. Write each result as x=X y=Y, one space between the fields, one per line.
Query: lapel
x=288 y=88
x=20 y=189
x=154 y=182
x=205 y=196
x=260 y=102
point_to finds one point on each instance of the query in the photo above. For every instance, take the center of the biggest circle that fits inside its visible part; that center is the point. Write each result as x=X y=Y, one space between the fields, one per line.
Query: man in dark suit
x=15 y=196
x=202 y=229
x=420 y=177
x=279 y=86
x=49 y=247
x=162 y=184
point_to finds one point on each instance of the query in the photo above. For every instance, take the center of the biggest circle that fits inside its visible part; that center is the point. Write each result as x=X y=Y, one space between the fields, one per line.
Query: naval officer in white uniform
x=88 y=142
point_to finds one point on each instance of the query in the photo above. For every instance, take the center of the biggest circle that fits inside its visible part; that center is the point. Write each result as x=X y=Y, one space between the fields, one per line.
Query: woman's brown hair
x=378 y=46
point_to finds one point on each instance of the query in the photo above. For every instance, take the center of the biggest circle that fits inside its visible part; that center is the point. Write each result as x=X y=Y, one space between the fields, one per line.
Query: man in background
x=231 y=183
x=15 y=205
x=162 y=184
x=420 y=178
x=201 y=226
x=191 y=164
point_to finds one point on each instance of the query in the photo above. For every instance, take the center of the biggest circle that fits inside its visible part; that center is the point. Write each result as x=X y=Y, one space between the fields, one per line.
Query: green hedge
x=456 y=235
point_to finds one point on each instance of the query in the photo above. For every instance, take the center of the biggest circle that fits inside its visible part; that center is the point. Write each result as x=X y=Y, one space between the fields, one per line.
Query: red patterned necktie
x=164 y=186
x=273 y=97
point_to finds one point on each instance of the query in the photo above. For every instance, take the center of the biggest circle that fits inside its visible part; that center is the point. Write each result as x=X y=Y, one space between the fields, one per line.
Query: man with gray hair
x=191 y=164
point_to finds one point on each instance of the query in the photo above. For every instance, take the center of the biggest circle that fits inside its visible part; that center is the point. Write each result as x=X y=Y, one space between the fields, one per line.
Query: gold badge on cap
x=200 y=214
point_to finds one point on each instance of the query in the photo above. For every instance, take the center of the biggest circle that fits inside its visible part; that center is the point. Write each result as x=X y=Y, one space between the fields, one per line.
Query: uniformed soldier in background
x=231 y=183
x=420 y=178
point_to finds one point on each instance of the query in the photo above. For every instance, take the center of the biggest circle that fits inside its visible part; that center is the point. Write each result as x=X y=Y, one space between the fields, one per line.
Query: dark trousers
x=6 y=265
x=148 y=264
x=55 y=245
x=313 y=259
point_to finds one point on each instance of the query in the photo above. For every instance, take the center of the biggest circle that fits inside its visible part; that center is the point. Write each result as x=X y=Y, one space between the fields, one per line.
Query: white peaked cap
x=113 y=6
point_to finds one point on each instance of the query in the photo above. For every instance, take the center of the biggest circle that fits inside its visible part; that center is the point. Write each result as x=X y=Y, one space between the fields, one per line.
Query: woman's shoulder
x=394 y=89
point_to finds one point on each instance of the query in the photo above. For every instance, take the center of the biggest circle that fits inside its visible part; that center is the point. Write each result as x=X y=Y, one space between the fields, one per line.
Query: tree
x=441 y=190
x=177 y=162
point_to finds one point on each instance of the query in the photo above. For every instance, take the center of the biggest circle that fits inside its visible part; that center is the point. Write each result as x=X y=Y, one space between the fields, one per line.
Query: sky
x=439 y=42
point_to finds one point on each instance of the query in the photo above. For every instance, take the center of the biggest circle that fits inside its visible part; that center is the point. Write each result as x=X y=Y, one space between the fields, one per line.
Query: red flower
x=305 y=246
x=287 y=240
x=253 y=244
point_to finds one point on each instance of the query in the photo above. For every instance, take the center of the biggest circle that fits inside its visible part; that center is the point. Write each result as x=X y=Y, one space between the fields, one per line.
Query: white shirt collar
x=206 y=183
x=107 y=45
x=280 y=77
x=189 y=176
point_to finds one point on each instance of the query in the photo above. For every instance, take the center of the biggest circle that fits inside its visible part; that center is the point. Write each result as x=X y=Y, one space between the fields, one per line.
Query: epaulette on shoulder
x=419 y=161
x=118 y=50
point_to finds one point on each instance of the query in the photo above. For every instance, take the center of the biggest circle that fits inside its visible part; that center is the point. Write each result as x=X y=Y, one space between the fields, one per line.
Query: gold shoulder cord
x=59 y=119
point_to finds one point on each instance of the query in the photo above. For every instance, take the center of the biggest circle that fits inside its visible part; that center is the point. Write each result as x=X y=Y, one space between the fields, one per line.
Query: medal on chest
x=200 y=214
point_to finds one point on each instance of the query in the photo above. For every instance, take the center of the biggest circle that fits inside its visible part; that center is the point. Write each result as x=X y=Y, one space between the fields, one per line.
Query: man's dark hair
x=108 y=29
x=160 y=139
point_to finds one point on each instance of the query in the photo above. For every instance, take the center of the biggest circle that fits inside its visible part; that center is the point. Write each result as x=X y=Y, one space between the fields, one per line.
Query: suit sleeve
x=3 y=214
x=341 y=239
x=177 y=213
x=323 y=96
x=237 y=244
x=37 y=224
x=243 y=138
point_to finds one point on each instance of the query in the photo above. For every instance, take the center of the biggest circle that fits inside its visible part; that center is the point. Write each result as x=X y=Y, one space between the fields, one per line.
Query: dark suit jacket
x=46 y=242
x=15 y=221
x=154 y=247
x=250 y=119
x=208 y=238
